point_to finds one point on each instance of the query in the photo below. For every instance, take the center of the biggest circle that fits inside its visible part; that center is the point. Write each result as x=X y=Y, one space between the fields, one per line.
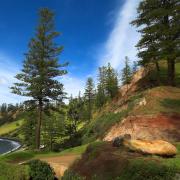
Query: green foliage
x=144 y=170
x=75 y=115
x=159 y=23
x=70 y=175
x=39 y=170
x=107 y=87
x=13 y=172
x=126 y=72
x=53 y=129
x=29 y=128
x=111 y=83
x=89 y=96
x=41 y=69
x=98 y=127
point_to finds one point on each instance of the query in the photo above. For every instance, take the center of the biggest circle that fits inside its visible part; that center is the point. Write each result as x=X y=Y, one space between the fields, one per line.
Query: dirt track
x=60 y=163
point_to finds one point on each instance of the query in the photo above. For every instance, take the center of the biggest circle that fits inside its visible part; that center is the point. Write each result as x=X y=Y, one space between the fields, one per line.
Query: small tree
x=126 y=73
x=75 y=115
x=89 y=96
x=101 y=88
x=135 y=66
x=40 y=68
x=111 y=81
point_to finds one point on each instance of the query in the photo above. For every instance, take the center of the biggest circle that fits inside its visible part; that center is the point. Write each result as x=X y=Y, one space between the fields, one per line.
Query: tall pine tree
x=159 y=21
x=40 y=68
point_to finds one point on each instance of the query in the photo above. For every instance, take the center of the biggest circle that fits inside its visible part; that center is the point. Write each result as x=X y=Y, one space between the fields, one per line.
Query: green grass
x=173 y=162
x=147 y=170
x=171 y=103
x=22 y=156
x=13 y=172
x=99 y=126
x=71 y=151
x=9 y=127
x=19 y=156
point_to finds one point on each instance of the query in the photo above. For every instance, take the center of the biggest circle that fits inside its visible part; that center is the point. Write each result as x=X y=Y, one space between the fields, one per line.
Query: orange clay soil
x=164 y=127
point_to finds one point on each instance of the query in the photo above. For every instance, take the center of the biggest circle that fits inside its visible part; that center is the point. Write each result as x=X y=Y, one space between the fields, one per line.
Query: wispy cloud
x=72 y=84
x=123 y=37
x=8 y=69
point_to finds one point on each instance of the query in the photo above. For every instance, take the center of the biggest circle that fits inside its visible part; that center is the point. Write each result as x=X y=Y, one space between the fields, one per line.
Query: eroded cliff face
x=148 y=127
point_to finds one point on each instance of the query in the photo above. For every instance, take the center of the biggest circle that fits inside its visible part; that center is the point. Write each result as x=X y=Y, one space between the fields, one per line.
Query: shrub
x=39 y=170
x=70 y=175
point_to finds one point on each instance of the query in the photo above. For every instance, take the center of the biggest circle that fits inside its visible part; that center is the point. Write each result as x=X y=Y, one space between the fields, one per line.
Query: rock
x=143 y=102
x=156 y=147
x=118 y=141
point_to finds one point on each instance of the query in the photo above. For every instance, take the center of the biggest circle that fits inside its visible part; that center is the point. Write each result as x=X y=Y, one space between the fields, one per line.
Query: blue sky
x=94 y=32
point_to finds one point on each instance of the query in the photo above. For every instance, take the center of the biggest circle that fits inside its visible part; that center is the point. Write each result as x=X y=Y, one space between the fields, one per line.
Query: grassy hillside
x=10 y=127
x=158 y=100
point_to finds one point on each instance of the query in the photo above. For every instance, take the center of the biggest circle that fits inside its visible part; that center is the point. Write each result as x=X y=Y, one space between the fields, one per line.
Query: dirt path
x=60 y=163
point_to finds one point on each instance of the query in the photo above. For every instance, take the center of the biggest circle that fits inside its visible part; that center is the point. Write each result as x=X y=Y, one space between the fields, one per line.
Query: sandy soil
x=60 y=163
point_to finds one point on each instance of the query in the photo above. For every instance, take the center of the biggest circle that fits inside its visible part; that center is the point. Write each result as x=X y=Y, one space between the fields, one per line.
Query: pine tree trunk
x=51 y=142
x=158 y=71
x=89 y=110
x=171 y=72
x=38 y=128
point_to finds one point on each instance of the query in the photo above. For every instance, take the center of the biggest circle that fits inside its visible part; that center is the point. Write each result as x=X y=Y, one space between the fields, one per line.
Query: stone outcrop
x=156 y=147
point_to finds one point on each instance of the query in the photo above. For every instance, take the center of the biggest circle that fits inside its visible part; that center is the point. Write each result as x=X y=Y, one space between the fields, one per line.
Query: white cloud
x=122 y=38
x=8 y=69
x=72 y=85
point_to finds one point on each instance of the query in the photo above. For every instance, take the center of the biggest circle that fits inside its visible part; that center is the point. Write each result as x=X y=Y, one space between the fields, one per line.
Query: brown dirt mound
x=60 y=163
x=164 y=127
x=104 y=162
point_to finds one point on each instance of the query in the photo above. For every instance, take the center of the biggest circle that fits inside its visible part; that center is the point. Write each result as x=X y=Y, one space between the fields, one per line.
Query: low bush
x=39 y=170
x=70 y=175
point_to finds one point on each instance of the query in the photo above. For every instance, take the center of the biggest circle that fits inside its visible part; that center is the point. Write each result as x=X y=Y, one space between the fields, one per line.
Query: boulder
x=118 y=141
x=156 y=147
